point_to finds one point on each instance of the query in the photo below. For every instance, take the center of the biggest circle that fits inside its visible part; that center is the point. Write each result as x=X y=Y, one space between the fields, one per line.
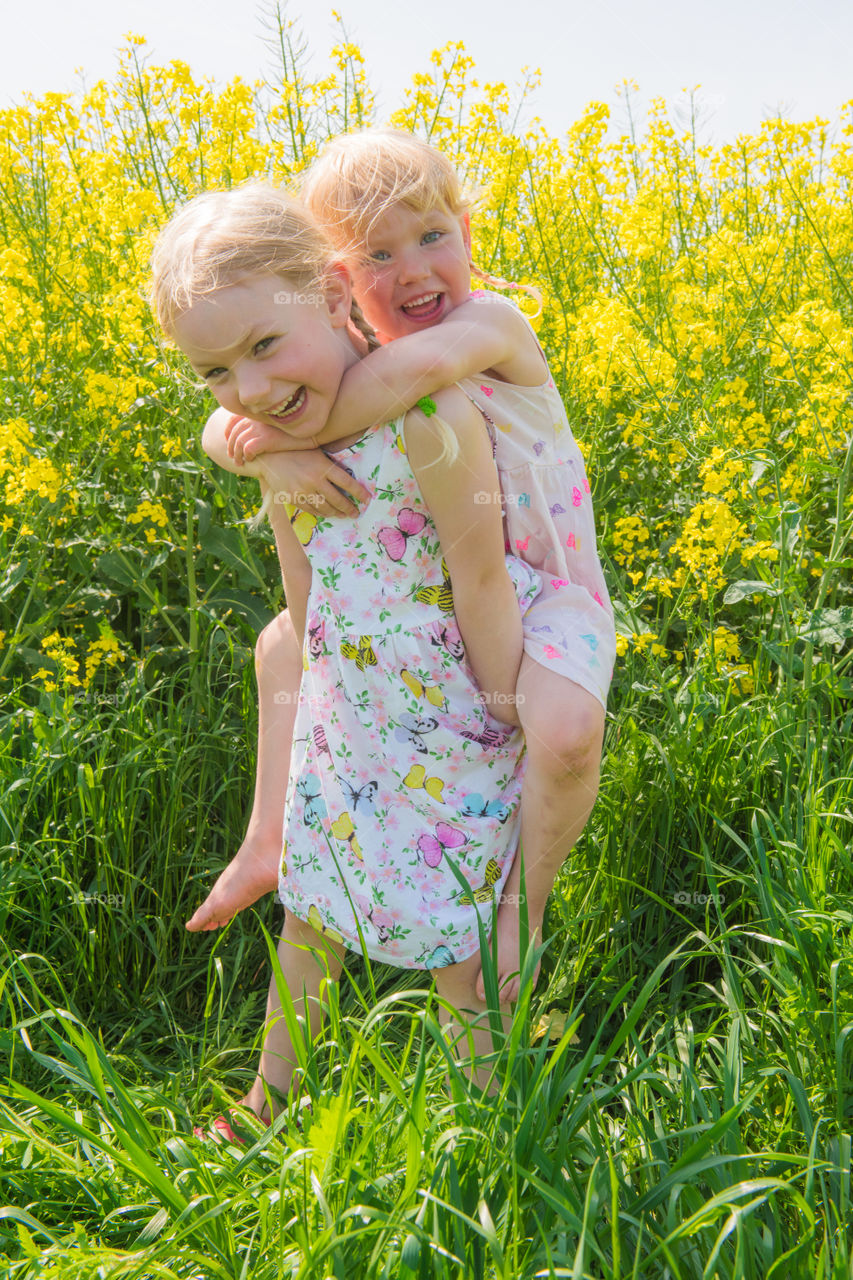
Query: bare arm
x=480 y=335
x=464 y=501
x=308 y=478
x=295 y=566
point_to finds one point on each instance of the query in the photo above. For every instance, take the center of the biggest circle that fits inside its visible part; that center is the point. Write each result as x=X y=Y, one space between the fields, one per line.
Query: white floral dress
x=402 y=813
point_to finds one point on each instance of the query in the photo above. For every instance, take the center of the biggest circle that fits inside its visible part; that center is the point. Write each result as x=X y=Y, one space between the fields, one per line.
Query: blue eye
x=261 y=346
x=430 y=237
x=379 y=255
x=213 y=375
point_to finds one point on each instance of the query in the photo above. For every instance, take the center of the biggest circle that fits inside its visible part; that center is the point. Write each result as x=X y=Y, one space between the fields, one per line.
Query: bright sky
x=752 y=58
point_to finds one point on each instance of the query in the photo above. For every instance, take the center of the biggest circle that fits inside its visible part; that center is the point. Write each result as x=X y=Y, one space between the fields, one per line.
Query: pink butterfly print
x=487 y=391
x=571 y=541
x=550 y=651
x=522 y=546
x=394 y=540
x=599 y=600
x=586 y=488
x=577 y=497
x=559 y=582
x=446 y=837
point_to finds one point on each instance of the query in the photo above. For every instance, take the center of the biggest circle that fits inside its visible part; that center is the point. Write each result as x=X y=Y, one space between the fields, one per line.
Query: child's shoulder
x=493 y=308
x=450 y=405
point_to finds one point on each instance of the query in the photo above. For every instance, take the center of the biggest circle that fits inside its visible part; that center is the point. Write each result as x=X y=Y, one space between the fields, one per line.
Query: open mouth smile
x=425 y=307
x=290 y=407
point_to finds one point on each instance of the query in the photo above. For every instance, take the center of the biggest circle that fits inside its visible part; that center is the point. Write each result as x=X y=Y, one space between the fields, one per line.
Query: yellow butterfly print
x=416 y=777
x=304 y=525
x=343 y=829
x=363 y=656
x=501 y=427
x=485 y=893
x=316 y=921
x=442 y=596
x=431 y=692
x=283 y=860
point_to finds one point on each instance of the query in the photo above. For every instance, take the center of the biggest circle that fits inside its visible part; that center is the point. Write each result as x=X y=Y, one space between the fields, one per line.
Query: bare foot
x=508 y=927
x=252 y=872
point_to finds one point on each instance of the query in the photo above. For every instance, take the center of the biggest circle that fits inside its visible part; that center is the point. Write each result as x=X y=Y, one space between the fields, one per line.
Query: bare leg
x=253 y=871
x=456 y=984
x=306 y=957
x=564 y=729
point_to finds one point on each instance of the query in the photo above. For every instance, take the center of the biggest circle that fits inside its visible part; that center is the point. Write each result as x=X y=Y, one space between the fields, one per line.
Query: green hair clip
x=427 y=406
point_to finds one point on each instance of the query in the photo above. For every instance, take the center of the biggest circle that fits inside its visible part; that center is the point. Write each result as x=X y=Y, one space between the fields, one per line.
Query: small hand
x=247 y=439
x=311 y=481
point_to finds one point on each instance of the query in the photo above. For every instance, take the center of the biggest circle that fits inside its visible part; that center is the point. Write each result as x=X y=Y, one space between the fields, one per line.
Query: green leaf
x=748 y=587
x=129 y=567
x=829 y=626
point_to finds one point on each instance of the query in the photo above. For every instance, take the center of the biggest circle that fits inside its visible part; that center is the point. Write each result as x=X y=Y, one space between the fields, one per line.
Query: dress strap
x=490 y=422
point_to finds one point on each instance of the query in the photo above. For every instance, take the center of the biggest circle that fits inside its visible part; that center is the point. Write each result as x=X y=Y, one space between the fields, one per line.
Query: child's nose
x=413 y=267
x=253 y=387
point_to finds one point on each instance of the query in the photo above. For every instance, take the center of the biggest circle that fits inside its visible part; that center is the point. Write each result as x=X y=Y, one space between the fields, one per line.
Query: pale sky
x=752 y=58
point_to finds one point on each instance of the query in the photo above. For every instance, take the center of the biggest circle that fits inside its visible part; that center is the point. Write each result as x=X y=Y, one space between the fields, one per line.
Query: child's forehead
x=401 y=217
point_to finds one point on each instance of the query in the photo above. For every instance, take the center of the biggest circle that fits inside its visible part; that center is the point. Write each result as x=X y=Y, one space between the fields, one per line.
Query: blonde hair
x=358 y=177
x=223 y=236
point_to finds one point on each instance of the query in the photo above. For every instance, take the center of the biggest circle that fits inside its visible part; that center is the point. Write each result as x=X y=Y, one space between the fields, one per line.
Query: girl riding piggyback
x=394 y=208
x=401 y=816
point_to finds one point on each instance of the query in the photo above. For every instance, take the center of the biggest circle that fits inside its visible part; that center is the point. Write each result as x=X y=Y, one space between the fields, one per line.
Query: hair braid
x=360 y=321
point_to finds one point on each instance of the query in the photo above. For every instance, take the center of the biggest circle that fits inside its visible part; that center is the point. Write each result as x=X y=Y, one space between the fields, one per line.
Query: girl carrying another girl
x=401 y=817
x=394 y=207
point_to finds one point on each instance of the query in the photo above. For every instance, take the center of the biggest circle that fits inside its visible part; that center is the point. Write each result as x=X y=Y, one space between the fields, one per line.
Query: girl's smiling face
x=415 y=270
x=271 y=351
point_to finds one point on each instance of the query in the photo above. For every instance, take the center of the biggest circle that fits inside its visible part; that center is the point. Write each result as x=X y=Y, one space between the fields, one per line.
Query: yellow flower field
x=696 y=311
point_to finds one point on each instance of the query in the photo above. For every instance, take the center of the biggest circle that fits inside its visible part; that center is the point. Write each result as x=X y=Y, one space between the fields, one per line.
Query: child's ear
x=338 y=290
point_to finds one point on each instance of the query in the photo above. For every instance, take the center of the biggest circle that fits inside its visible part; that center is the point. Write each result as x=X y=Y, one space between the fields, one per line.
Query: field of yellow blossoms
x=695 y=1118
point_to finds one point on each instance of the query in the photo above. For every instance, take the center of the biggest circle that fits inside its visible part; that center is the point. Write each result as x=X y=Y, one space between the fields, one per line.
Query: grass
x=687 y=1113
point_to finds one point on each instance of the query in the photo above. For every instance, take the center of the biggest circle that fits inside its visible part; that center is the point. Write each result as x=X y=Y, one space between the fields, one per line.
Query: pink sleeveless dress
x=549 y=523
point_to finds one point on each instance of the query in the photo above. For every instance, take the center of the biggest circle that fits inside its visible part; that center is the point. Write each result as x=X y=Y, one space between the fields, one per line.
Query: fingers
x=344 y=492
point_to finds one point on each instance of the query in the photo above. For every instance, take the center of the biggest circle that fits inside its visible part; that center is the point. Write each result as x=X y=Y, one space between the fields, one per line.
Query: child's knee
x=565 y=737
x=303 y=934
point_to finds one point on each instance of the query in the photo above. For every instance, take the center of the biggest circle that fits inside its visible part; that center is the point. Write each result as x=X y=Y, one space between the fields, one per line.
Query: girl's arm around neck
x=464 y=500
x=478 y=336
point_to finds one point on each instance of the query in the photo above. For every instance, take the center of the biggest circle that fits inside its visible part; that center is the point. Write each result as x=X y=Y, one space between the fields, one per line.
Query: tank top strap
x=490 y=422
